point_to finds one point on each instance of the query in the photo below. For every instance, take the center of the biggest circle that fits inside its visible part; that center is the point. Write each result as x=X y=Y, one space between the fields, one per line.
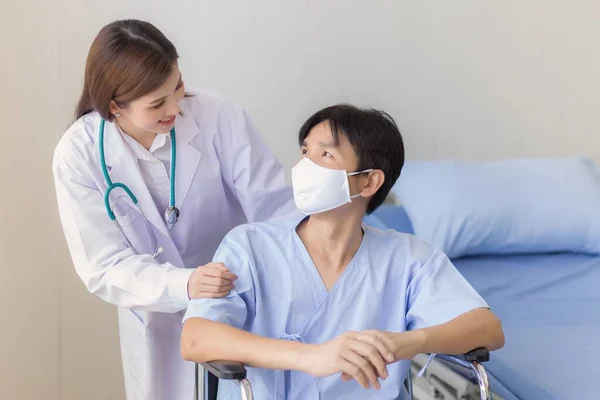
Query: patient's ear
x=372 y=182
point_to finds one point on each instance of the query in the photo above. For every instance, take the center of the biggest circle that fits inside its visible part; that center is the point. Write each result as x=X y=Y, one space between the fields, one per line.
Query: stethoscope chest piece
x=171 y=215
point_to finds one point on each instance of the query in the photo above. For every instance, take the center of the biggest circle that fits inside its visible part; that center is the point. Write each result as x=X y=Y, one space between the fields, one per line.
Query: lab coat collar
x=185 y=125
x=188 y=156
x=114 y=144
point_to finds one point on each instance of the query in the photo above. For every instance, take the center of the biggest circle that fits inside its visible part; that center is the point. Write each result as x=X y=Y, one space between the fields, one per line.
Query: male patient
x=325 y=307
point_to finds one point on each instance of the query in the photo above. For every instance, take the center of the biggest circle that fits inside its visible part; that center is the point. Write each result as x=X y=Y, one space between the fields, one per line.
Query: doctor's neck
x=336 y=234
x=142 y=136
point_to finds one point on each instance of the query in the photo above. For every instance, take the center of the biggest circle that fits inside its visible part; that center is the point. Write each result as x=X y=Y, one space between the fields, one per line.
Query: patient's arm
x=471 y=330
x=447 y=313
x=361 y=355
x=203 y=340
x=468 y=331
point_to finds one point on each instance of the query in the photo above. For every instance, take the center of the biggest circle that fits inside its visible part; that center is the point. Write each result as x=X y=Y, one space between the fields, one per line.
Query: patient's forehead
x=321 y=137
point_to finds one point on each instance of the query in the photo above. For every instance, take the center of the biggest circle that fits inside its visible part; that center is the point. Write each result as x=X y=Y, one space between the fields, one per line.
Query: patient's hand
x=402 y=345
x=212 y=280
x=359 y=355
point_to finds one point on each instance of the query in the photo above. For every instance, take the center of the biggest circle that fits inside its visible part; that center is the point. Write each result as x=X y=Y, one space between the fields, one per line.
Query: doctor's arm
x=102 y=259
x=253 y=172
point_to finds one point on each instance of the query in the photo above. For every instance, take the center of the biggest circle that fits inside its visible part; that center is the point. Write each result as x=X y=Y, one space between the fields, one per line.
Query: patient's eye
x=326 y=154
x=304 y=151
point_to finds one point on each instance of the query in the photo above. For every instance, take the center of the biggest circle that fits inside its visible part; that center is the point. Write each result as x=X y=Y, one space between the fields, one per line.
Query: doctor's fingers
x=360 y=369
x=201 y=279
x=201 y=288
x=216 y=270
x=218 y=265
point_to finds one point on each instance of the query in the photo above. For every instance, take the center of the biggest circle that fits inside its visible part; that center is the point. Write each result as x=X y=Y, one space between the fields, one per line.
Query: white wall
x=469 y=79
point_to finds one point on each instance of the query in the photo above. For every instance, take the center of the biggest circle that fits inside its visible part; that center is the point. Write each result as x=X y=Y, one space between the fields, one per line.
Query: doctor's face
x=155 y=112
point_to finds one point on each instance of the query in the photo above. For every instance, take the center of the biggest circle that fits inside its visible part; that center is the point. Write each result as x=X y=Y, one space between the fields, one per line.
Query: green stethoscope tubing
x=171 y=213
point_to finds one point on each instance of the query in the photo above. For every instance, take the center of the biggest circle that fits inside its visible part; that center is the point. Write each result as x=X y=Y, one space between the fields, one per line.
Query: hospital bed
x=471 y=362
x=549 y=305
x=525 y=233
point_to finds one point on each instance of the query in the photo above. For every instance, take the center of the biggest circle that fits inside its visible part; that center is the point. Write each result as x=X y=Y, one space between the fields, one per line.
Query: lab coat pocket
x=134 y=348
x=126 y=212
x=134 y=226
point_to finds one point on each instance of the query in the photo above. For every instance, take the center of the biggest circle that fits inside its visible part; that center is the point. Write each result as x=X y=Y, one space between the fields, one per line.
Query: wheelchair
x=224 y=370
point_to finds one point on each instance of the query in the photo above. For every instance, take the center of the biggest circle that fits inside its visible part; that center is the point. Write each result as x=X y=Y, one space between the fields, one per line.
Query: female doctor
x=149 y=179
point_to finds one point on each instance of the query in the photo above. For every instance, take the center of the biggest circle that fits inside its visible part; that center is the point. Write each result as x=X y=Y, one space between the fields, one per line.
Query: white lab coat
x=225 y=176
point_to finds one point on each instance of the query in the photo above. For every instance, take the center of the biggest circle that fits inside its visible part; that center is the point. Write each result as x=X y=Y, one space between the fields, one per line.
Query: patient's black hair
x=374 y=136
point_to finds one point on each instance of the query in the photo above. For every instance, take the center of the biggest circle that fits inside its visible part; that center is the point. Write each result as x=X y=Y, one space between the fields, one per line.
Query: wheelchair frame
x=227 y=370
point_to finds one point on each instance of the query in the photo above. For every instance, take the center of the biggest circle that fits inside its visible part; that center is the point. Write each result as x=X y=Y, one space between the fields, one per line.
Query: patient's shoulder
x=393 y=237
x=401 y=245
x=270 y=229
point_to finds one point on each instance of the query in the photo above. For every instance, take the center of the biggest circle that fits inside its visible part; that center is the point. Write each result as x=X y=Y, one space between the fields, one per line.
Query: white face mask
x=318 y=189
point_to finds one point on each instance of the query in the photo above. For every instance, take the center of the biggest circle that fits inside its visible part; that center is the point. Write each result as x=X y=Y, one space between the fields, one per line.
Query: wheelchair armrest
x=480 y=355
x=227 y=370
x=472 y=360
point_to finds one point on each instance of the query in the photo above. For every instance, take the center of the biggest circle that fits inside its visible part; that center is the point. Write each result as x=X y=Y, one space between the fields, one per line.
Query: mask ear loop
x=358 y=173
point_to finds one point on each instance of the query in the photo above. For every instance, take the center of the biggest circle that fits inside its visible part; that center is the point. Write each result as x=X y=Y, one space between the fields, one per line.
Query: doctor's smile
x=167 y=121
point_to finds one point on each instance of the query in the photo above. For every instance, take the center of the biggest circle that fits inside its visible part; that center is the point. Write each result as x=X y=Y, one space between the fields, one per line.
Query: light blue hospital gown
x=395 y=282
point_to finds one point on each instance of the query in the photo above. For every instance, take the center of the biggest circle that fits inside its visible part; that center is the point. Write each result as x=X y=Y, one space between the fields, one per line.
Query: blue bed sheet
x=550 y=310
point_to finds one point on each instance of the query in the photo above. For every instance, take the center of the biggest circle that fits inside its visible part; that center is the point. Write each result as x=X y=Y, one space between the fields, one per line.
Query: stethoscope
x=171 y=213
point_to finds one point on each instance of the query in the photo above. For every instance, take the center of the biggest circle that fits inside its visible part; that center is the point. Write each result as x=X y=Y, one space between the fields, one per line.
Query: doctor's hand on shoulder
x=212 y=280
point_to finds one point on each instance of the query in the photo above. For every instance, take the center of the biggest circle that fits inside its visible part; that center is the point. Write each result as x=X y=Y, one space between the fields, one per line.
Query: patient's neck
x=331 y=238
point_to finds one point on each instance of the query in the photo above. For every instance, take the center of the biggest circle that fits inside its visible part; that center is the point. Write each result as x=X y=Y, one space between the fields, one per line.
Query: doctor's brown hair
x=127 y=60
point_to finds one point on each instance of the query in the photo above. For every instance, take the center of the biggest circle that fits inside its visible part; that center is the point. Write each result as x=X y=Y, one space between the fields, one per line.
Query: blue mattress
x=550 y=309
